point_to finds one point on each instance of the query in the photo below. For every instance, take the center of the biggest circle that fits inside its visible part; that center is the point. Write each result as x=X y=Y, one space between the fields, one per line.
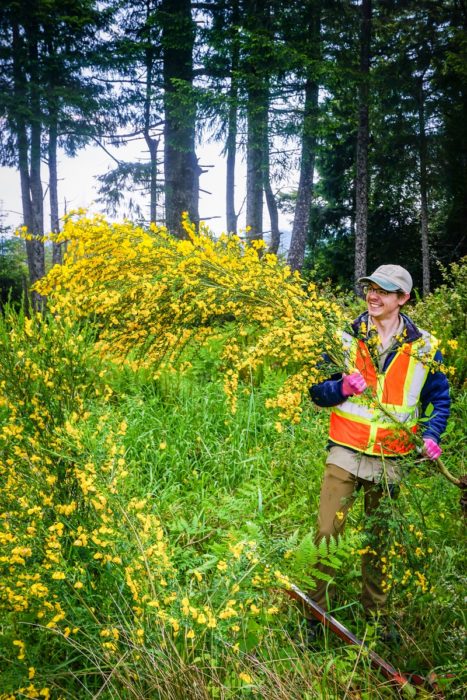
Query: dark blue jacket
x=434 y=398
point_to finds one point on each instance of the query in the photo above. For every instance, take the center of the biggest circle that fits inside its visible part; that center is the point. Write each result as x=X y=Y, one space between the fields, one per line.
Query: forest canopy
x=365 y=101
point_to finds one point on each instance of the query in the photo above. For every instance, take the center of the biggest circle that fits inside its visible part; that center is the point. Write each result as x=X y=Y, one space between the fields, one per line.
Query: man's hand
x=432 y=449
x=353 y=384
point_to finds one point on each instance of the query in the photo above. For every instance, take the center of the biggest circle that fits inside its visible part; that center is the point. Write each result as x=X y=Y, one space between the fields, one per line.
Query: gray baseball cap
x=392 y=278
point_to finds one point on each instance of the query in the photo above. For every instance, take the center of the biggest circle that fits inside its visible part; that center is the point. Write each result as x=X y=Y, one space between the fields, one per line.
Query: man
x=397 y=366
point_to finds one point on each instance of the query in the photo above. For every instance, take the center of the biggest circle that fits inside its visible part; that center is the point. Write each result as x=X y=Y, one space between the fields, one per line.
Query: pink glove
x=432 y=449
x=353 y=384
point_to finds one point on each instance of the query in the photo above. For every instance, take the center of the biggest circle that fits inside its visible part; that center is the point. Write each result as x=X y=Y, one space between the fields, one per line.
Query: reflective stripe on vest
x=358 y=424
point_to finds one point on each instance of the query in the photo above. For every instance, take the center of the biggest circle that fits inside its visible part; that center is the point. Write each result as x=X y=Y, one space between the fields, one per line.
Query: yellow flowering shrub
x=151 y=295
x=92 y=576
x=85 y=562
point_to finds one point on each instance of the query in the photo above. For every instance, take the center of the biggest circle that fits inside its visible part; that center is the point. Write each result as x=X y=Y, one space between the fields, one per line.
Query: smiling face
x=384 y=305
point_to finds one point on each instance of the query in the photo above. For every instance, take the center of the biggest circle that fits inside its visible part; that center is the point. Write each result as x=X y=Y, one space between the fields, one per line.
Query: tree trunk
x=232 y=125
x=29 y=166
x=301 y=221
x=361 y=194
x=20 y=89
x=37 y=194
x=53 y=187
x=180 y=163
x=257 y=115
x=423 y=160
x=271 y=202
x=256 y=69
x=151 y=142
x=153 y=146
x=231 y=147
x=305 y=186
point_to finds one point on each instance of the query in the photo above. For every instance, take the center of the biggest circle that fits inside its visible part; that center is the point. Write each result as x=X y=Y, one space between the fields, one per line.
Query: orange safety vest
x=361 y=424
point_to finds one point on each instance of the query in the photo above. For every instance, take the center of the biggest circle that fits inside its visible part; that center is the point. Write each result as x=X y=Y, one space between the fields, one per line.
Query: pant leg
x=374 y=593
x=338 y=492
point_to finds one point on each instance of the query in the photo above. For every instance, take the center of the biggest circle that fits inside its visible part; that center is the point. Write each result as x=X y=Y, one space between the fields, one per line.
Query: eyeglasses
x=377 y=290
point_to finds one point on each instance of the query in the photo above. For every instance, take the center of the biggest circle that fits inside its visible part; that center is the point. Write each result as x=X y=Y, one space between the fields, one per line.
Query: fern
x=307 y=556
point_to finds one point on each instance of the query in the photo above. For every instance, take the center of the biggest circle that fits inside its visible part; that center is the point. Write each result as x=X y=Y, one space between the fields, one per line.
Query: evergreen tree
x=46 y=99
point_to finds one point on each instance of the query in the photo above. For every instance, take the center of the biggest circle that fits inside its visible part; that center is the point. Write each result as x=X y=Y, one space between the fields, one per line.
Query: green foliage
x=123 y=178
x=13 y=270
x=444 y=312
x=307 y=554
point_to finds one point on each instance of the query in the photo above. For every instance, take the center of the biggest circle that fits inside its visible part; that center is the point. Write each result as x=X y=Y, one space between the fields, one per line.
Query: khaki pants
x=338 y=492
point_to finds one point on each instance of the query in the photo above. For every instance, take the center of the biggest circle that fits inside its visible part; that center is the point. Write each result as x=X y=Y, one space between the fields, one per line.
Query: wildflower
x=162 y=445
x=236 y=549
x=21 y=647
x=245 y=677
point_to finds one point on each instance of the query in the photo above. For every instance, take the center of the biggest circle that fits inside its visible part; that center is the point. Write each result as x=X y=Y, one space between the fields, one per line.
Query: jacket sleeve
x=328 y=393
x=435 y=403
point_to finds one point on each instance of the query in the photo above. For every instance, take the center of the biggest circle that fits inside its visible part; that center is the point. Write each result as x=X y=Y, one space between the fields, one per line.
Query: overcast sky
x=78 y=187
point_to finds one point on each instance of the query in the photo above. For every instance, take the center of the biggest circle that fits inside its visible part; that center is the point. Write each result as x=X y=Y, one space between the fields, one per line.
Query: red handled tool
x=389 y=671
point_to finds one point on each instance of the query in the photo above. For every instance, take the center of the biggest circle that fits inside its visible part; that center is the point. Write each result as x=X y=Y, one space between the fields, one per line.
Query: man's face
x=384 y=305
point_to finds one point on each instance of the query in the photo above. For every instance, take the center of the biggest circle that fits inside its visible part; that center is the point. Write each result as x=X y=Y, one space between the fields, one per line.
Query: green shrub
x=444 y=313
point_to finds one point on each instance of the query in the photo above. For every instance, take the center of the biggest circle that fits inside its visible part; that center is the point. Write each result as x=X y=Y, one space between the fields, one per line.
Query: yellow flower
x=245 y=677
x=162 y=445
x=22 y=646
x=340 y=515
x=58 y=575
